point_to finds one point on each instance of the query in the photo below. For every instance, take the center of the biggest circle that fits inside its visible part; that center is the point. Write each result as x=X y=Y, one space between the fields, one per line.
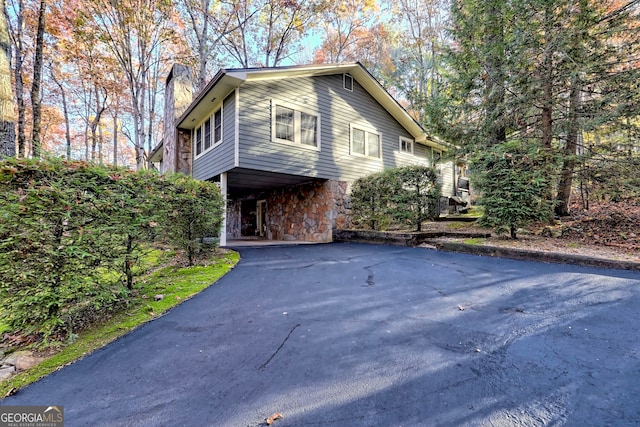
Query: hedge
x=404 y=196
x=72 y=235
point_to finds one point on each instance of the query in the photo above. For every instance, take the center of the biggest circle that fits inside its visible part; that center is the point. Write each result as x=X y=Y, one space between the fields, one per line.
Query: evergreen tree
x=531 y=77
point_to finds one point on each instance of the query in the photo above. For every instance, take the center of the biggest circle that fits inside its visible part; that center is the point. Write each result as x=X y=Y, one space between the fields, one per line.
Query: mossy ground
x=174 y=283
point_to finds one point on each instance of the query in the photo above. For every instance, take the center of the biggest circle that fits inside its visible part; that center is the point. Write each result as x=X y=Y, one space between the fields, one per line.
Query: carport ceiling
x=246 y=181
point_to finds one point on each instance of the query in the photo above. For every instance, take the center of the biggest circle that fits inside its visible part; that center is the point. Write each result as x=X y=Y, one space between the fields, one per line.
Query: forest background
x=541 y=97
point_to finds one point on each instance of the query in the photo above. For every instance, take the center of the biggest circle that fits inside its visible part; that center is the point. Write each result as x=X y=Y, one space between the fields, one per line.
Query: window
x=365 y=142
x=347 y=82
x=217 y=126
x=406 y=145
x=209 y=133
x=284 y=123
x=198 y=140
x=373 y=145
x=358 y=141
x=295 y=126
x=308 y=126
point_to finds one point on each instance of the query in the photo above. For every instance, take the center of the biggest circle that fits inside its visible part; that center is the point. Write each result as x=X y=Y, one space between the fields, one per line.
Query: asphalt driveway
x=363 y=335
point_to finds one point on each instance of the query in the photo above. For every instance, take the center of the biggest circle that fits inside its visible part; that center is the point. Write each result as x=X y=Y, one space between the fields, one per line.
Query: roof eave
x=226 y=80
x=216 y=90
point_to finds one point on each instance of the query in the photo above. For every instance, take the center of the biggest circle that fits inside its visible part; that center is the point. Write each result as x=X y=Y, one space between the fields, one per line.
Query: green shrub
x=408 y=195
x=415 y=196
x=369 y=200
x=194 y=213
x=47 y=235
x=515 y=181
x=72 y=236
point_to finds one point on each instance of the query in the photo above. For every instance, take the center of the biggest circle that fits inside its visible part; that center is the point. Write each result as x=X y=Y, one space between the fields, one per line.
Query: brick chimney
x=177 y=97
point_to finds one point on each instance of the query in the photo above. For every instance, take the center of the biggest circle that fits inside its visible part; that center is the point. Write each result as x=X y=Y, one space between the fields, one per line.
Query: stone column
x=177 y=97
x=223 y=228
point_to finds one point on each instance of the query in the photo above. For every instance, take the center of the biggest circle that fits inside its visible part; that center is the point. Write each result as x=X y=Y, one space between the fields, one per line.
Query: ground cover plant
x=168 y=282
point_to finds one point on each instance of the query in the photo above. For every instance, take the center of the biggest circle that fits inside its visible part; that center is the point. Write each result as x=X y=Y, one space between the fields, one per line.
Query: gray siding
x=338 y=109
x=447 y=178
x=221 y=158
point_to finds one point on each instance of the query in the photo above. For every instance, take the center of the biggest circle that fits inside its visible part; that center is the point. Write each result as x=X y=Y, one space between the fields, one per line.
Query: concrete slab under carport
x=245 y=243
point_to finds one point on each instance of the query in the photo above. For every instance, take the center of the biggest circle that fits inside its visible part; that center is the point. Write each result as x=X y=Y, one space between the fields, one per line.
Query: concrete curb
x=432 y=239
x=399 y=238
x=528 y=255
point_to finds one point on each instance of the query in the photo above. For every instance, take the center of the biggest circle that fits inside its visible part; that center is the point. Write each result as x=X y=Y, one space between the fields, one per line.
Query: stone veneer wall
x=233 y=218
x=178 y=96
x=307 y=212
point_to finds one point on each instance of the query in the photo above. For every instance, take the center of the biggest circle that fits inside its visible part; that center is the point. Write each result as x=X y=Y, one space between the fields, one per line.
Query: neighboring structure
x=285 y=143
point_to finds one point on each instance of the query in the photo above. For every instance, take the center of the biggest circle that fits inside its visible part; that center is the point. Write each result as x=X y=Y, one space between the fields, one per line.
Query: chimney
x=177 y=97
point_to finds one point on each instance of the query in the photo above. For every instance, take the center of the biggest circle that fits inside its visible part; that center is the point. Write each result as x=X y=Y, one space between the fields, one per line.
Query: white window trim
x=346 y=76
x=213 y=131
x=367 y=130
x=296 y=123
x=410 y=142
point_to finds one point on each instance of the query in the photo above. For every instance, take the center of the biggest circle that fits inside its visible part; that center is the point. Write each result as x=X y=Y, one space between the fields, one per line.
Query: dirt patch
x=607 y=231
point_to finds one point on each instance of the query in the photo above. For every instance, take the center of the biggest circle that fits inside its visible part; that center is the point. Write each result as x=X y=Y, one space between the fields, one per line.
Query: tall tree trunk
x=67 y=133
x=154 y=77
x=18 y=45
x=65 y=110
x=203 y=47
x=495 y=79
x=100 y=107
x=86 y=142
x=37 y=80
x=569 y=153
x=21 y=133
x=546 y=76
x=7 y=115
x=547 y=83
x=139 y=135
x=115 y=138
x=100 y=136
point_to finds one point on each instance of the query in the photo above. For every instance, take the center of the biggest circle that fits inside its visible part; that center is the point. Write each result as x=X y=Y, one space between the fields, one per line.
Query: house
x=285 y=144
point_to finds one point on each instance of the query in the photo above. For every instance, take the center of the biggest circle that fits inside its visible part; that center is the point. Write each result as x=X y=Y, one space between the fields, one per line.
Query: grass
x=3 y=327
x=475 y=211
x=457 y=225
x=474 y=241
x=174 y=283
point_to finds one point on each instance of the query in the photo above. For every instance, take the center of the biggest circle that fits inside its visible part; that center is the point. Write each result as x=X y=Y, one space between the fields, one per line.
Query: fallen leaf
x=273 y=417
x=461 y=308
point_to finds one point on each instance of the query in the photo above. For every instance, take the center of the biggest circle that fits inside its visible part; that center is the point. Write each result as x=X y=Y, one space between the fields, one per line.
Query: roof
x=156 y=153
x=226 y=80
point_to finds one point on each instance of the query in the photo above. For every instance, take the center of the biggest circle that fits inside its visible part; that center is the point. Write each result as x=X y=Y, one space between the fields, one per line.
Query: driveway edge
x=529 y=255
x=434 y=239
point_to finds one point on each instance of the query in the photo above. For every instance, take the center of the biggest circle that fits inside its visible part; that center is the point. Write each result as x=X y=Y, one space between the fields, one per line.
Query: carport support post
x=223 y=190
